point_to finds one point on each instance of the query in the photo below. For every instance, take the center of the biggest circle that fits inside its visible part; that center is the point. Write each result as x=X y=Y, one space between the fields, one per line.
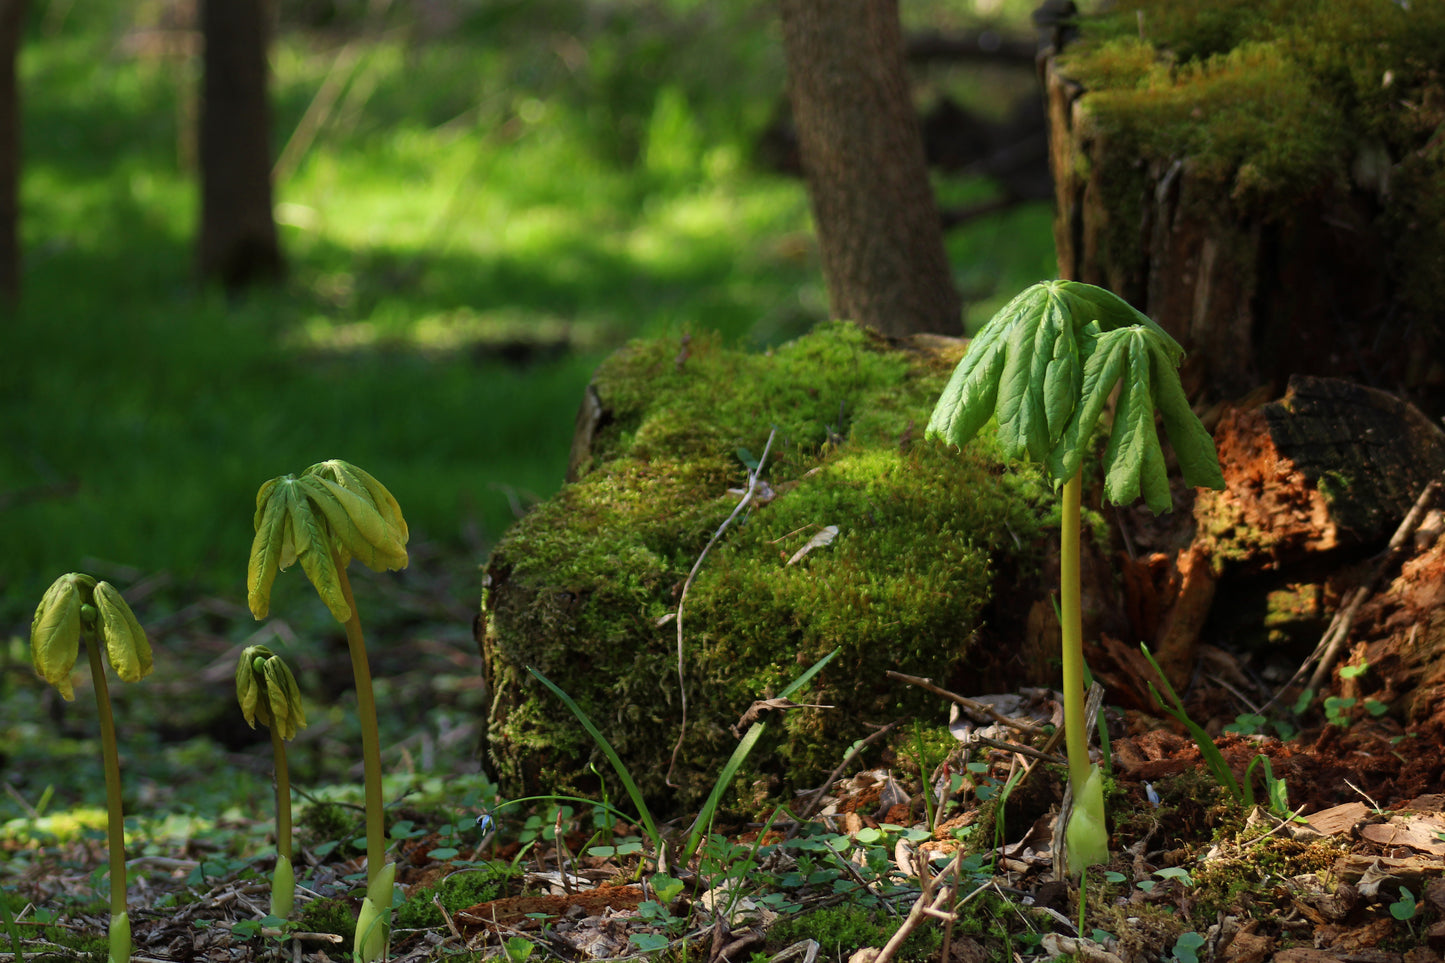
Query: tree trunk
x=877 y=221
x=12 y=17
x=238 y=243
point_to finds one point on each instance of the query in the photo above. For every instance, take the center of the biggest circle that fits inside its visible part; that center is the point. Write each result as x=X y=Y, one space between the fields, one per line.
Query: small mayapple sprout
x=331 y=513
x=77 y=608
x=77 y=603
x=268 y=693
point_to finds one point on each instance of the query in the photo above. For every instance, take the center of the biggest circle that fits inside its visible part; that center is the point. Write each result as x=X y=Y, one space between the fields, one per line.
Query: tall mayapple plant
x=1044 y=367
x=329 y=514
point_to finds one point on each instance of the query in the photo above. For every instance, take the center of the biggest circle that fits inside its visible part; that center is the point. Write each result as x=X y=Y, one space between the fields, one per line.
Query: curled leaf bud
x=268 y=693
x=55 y=631
x=126 y=644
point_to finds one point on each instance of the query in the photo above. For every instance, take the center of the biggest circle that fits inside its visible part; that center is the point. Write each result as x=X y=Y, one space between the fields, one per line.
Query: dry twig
x=753 y=478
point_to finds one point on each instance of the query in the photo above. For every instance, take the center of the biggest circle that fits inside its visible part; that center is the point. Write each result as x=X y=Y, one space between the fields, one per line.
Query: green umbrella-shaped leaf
x=1133 y=457
x=126 y=644
x=313 y=544
x=354 y=479
x=1192 y=444
x=55 y=632
x=266 y=548
x=1104 y=358
x=356 y=524
x=971 y=395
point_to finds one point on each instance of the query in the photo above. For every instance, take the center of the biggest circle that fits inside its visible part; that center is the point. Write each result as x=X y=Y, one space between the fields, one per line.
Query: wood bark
x=877 y=220
x=238 y=244
x=12 y=17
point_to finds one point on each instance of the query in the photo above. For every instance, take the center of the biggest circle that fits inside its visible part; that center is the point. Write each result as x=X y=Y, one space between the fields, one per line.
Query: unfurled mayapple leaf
x=1045 y=366
x=76 y=604
x=268 y=693
x=333 y=511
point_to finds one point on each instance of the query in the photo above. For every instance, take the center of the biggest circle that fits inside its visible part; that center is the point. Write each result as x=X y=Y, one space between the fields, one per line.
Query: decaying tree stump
x=1272 y=219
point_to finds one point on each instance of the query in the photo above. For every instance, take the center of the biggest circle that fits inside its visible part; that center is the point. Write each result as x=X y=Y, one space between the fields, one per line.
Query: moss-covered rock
x=585 y=588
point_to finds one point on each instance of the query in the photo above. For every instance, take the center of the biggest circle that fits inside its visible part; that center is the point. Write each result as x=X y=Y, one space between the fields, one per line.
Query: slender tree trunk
x=12 y=18
x=238 y=243
x=877 y=220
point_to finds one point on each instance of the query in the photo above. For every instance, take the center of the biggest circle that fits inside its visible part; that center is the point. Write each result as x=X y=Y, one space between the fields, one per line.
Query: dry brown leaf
x=1421 y=833
x=824 y=537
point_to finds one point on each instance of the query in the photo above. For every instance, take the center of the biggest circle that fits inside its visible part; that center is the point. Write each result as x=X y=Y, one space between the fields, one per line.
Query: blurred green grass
x=491 y=206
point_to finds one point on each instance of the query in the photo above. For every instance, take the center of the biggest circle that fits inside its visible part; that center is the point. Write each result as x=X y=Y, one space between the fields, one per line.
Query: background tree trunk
x=877 y=221
x=12 y=18
x=238 y=243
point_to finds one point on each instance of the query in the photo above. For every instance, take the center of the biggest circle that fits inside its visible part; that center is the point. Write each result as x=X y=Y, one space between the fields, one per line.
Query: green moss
x=329 y=916
x=1249 y=120
x=582 y=587
x=455 y=892
x=843 y=930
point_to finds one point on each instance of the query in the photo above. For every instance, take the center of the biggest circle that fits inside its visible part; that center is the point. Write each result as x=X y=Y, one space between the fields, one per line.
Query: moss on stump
x=585 y=587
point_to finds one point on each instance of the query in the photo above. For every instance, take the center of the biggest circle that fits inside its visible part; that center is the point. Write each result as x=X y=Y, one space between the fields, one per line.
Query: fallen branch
x=973 y=705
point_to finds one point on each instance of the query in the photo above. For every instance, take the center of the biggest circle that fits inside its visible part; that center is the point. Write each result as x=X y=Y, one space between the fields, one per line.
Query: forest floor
x=1345 y=863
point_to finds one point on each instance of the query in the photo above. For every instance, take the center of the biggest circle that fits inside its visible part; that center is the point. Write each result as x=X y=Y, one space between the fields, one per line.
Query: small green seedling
x=331 y=513
x=268 y=694
x=76 y=607
x=1044 y=368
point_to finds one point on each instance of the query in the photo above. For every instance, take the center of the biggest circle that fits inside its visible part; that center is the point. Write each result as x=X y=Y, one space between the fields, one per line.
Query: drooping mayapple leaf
x=313 y=547
x=55 y=634
x=356 y=524
x=266 y=548
x=1045 y=366
x=360 y=482
x=126 y=645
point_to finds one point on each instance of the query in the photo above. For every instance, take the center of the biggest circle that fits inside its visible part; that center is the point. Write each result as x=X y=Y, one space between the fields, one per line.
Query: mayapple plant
x=1044 y=367
x=268 y=694
x=323 y=518
x=76 y=607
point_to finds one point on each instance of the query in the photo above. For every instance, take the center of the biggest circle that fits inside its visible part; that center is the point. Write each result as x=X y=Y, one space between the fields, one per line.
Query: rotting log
x=1315 y=483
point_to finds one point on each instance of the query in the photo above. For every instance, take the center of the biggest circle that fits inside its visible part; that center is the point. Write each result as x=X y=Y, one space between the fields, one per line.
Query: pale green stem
x=1071 y=614
x=283 y=795
x=370 y=740
x=110 y=760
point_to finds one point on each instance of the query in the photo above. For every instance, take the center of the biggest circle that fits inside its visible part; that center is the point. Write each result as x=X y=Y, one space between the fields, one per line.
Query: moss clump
x=582 y=587
x=843 y=930
x=455 y=892
x=1250 y=120
x=329 y=916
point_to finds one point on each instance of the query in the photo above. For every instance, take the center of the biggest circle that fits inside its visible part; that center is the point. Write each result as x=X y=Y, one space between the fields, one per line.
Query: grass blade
x=744 y=746
x=633 y=792
x=1213 y=758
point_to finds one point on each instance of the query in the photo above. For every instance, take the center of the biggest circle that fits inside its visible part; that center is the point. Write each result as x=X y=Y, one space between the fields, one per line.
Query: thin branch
x=818 y=793
x=753 y=478
x=973 y=705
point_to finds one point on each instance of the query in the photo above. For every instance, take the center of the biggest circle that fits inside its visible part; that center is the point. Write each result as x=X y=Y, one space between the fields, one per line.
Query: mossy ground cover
x=585 y=589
